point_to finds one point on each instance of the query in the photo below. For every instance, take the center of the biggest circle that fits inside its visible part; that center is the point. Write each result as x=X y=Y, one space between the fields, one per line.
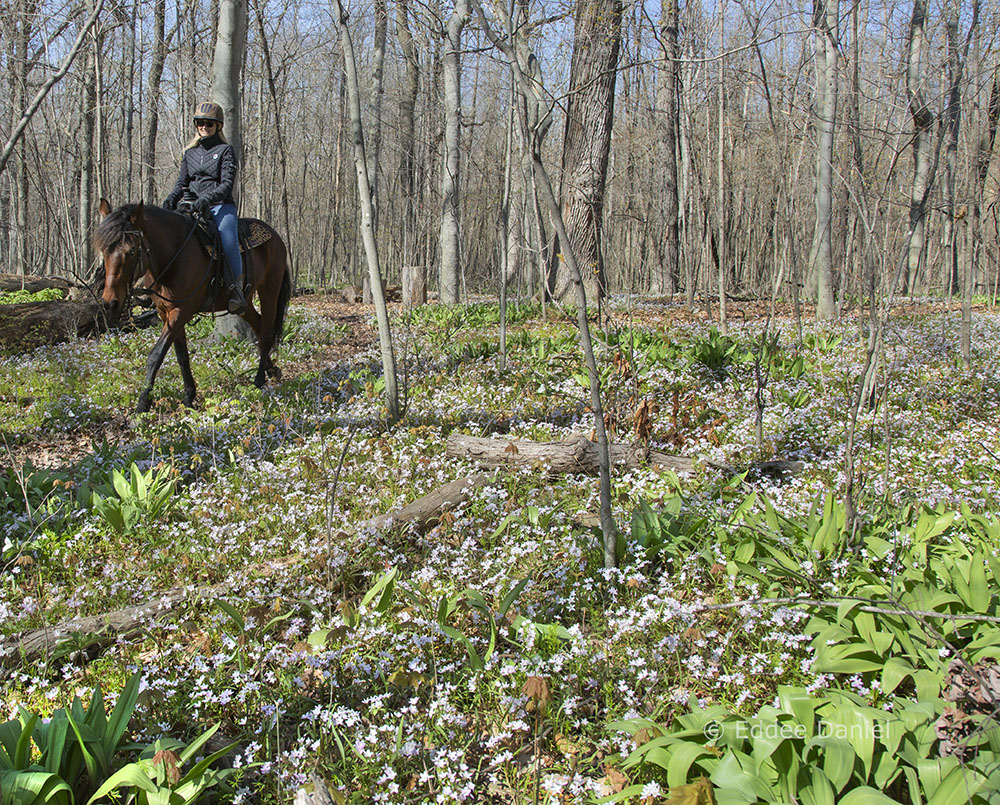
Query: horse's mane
x=116 y=229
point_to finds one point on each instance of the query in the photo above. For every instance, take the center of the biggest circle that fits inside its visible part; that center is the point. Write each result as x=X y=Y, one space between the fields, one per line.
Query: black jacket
x=208 y=171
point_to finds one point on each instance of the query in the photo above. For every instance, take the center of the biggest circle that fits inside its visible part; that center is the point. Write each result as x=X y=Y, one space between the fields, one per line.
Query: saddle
x=252 y=233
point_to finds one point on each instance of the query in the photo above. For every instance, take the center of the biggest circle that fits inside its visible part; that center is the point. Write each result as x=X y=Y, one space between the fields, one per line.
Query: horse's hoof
x=188 y=400
x=260 y=380
x=274 y=372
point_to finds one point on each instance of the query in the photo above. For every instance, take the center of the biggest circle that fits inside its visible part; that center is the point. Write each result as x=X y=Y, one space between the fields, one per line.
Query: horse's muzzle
x=112 y=309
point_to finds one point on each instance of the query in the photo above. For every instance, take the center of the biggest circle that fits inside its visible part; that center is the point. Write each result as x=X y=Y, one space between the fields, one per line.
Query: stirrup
x=237 y=303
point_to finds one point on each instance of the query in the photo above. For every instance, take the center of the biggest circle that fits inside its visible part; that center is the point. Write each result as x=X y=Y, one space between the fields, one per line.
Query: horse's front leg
x=171 y=329
x=184 y=361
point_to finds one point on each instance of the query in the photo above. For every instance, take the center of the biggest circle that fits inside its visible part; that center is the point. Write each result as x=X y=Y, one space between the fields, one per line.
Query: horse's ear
x=105 y=208
x=138 y=213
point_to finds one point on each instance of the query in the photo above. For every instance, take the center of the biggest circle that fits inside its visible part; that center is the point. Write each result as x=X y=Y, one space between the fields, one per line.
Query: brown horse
x=162 y=249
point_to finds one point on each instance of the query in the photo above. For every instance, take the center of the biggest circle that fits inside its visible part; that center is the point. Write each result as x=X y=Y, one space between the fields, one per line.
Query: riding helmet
x=209 y=111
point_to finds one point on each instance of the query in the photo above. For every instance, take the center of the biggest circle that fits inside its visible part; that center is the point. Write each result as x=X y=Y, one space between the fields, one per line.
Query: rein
x=137 y=272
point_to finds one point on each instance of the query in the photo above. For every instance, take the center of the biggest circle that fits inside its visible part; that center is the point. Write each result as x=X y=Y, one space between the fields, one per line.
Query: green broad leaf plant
x=74 y=750
x=917 y=603
x=158 y=777
x=135 y=494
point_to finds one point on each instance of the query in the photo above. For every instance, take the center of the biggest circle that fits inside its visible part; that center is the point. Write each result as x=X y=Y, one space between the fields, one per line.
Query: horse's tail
x=283 y=296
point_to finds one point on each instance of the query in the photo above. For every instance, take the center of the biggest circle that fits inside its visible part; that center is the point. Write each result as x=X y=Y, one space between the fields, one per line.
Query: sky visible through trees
x=91 y=128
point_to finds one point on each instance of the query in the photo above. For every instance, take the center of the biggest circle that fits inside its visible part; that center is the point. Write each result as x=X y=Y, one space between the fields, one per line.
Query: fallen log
x=578 y=454
x=31 y=284
x=424 y=511
x=31 y=324
x=575 y=455
x=93 y=632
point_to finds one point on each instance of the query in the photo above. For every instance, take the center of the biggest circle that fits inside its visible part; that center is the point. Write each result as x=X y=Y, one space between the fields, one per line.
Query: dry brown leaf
x=170 y=761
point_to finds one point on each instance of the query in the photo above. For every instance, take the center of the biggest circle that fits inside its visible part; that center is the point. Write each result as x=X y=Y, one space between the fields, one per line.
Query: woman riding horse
x=205 y=184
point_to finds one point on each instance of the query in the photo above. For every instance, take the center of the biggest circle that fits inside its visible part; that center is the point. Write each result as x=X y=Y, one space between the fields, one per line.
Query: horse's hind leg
x=266 y=367
x=184 y=361
x=258 y=325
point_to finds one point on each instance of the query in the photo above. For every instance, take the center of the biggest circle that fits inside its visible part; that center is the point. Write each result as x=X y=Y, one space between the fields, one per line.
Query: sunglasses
x=204 y=123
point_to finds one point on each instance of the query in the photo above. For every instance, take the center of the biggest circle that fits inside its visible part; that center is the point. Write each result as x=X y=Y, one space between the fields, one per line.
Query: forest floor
x=487 y=655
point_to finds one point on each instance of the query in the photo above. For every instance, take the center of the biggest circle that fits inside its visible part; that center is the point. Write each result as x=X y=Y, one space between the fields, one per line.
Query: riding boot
x=237 y=304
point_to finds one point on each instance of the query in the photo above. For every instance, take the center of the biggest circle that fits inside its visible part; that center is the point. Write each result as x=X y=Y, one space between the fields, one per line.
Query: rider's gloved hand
x=169 y=204
x=201 y=206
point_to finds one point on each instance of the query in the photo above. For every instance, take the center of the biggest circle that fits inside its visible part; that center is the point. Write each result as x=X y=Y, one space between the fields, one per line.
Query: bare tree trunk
x=525 y=222
x=953 y=119
x=826 y=19
x=669 y=110
x=587 y=145
x=407 y=133
x=279 y=136
x=23 y=18
x=923 y=121
x=450 y=187
x=230 y=45
x=28 y=113
x=129 y=133
x=367 y=224
x=226 y=66
x=88 y=104
x=153 y=101
x=983 y=160
x=375 y=101
x=684 y=154
x=859 y=209
x=721 y=250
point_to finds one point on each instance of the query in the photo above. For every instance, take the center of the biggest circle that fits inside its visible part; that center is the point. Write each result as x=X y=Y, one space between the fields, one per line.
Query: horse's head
x=119 y=240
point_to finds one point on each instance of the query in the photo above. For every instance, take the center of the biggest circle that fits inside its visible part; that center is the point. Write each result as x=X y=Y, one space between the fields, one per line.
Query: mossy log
x=18 y=282
x=31 y=324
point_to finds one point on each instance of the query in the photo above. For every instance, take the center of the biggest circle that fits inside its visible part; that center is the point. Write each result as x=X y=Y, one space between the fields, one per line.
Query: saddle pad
x=252 y=233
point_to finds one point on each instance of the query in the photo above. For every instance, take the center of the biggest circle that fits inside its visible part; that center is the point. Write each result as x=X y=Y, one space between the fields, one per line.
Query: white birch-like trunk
x=923 y=121
x=450 y=189
x=367 y=222
x=230 y=45
x=826 y=21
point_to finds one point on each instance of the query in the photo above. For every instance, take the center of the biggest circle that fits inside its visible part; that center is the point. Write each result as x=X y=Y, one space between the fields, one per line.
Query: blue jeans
x=227 y=223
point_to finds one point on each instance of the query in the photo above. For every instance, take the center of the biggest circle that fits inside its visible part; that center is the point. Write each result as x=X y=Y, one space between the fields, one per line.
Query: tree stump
x=414 y=286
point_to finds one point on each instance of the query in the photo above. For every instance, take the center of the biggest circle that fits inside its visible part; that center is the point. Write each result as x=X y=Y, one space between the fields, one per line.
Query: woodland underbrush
x=758 y=642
